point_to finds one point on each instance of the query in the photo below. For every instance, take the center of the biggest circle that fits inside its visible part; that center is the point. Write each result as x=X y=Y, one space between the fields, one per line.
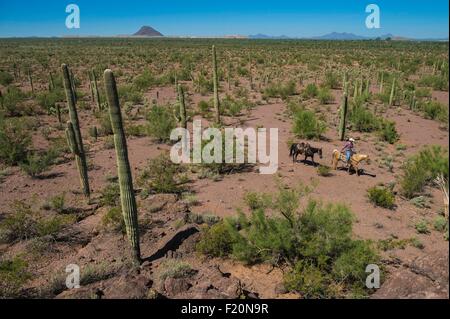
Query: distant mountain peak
x=147 y=31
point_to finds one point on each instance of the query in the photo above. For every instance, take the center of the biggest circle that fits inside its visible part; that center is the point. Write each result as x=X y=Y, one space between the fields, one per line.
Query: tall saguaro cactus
x=95 y=91
x=80 y=155
x=381 y=83
x=216 y=85
x=343 y=119
x=392 y=96
x=182 y=118
x=30 y=79
x=127 y=198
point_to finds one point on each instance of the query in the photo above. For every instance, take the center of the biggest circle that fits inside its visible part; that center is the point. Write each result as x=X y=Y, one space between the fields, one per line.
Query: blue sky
x=411 y=18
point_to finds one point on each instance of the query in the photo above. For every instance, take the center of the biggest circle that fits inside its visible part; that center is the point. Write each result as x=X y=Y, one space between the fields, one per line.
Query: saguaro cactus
x=127 y=198
x=95 y=91
x=74 y=88
x=58 y=113
x=80 y=155
x=30 y=78
x=182 y=117
x=51 y=84
x=355 y=93
x=216 y=85
x=392 y=96
x=343 y=119
x=381 y=83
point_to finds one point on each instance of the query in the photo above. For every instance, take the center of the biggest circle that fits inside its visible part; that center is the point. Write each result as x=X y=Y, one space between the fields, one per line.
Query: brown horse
x=355 y=160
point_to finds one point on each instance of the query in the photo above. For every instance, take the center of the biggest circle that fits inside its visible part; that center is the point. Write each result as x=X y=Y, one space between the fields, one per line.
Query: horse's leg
x=312 y=159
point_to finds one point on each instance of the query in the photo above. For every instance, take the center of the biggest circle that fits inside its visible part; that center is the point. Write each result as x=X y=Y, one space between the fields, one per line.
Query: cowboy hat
x=351 y=139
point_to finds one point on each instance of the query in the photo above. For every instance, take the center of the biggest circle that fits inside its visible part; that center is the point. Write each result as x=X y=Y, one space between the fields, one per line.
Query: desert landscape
x=222 y=230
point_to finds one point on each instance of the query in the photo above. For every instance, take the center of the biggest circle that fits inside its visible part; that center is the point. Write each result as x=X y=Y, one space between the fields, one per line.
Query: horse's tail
x=335 y=158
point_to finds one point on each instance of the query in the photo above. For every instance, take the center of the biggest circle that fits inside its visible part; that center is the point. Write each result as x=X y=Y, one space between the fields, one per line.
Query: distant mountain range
x=344 y=36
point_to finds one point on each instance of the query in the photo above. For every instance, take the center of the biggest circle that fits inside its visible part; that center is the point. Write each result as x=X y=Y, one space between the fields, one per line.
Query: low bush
x=175 y=269
x=160 y=124
x=38 y=162
x=24 y=223
x=362 y=119
x=324 y=95
x=307 y=125
x=388 y=132
x=113 y=220
x=381 y=196
x=13 y=276
x=110 y=195
x=15 y=140
x=216 y=241
x=435 y=111
x=316 y=241
x=5 y=78
x=422 y=227
x=280 y=90
x=421 y=169
x=323 y=171
x=161 y=175
x=311 y=91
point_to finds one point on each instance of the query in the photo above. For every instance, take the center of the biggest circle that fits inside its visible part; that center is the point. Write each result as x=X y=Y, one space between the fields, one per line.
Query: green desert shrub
x=24 y=223
x=422 y=227
x=15 y=140
x=440 y=223
x=129 y=93
x=280 y=90
x=381 y=196
x=48 y=100
x=175 y=269
x=324 y=170
x=113 y=220
x=256 y=200
x=19 y=225
x=311 y=91
x=437 y=82
x=5 y=78
x=203 y=107
x=37 y=163
x=422 y=168
x=435 y=111
x=307 y=125
x=362 y=119
x=332 y=80
x=216 y=241
x=110 y=195
x=161 y=175
x=13 y=276
x=160 y=123
x=316 y=240
x=12 y=102
x=388 y=132
x=324 y=95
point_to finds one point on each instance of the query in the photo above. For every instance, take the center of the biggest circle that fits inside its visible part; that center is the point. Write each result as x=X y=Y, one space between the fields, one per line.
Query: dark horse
x=310 y=151
x=304 y=149
x=297 y=149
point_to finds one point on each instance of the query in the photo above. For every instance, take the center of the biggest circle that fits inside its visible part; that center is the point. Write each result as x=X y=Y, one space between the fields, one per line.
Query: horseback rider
x=348 y=149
